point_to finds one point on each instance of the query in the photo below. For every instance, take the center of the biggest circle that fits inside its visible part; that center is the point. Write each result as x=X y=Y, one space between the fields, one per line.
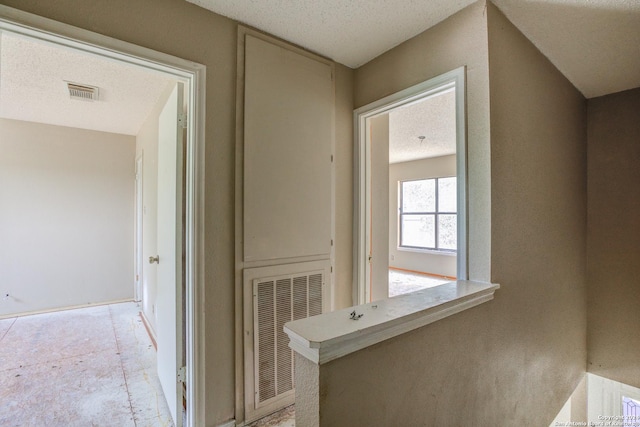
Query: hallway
x=92 y=366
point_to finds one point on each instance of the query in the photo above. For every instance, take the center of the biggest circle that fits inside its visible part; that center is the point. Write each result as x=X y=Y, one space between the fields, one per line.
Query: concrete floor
x=93 y=366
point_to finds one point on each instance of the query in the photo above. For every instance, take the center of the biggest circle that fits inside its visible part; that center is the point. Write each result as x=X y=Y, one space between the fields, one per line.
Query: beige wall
x=538 y=152
x=515 y=360
x=427 y=262
x=433 y=366
x=613 y=236
x=459 y=41
x=343 y=291
x=523 y=351
x=66 y=217
x=187 y=31
x=147 y=149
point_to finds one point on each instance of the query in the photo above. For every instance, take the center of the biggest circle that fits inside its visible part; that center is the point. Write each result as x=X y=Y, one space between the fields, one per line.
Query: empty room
x=79 y=141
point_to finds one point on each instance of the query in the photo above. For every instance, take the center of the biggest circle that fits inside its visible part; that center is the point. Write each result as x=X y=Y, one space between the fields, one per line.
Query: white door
x=169 y=298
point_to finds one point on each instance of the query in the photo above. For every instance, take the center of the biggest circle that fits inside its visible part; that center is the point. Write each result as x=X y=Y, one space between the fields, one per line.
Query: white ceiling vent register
x=83 y=92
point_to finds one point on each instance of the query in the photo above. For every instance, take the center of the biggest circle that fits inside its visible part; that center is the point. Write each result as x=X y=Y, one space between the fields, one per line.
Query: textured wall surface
x=518 y=358
x=343 y=291
x=187 y=31
x=538 y=177
x=433 y=366
x=307 y=392
x=613 y=237
x=459 y=41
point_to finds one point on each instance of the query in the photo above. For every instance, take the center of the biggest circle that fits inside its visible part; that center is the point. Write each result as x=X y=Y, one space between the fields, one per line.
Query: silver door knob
x=154 y=259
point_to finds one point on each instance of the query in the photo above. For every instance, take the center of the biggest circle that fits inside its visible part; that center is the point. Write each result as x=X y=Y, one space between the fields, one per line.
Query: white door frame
x=193 y=74
x=362 y=171
x=139 y=229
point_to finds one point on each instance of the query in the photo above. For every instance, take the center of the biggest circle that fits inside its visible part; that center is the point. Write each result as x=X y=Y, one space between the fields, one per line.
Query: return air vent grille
x=272 y=296
x=279 y=300
x=83 y=92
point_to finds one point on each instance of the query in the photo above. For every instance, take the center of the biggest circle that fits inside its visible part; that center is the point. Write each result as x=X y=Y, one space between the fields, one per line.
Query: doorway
x=410 y=204
x=187 y=280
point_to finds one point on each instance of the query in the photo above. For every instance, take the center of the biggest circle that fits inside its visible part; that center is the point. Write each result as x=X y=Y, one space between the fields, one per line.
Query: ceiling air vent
x=82 y=92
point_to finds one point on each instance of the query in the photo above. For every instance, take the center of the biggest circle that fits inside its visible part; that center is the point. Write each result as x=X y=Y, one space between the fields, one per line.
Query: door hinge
x=182 y=374
x=182 y=121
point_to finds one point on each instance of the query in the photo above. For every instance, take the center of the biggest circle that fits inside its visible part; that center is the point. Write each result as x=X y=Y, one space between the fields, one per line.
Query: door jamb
x=139 y=212
x=362 y=170
x=20 y=22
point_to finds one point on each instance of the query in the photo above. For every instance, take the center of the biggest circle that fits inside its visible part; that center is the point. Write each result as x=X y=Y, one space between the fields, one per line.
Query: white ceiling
x=33 y=88
x=351 y=32
x=594 y=43
x=434 y=118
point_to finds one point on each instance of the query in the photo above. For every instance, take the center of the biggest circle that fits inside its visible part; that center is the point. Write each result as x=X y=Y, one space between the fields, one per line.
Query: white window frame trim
x=34 y=26
x=436 y=213
x=362 y=170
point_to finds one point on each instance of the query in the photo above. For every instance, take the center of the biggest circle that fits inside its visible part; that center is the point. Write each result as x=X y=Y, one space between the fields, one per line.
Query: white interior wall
x=66 y=217
x=427 y=262
x=147 y=148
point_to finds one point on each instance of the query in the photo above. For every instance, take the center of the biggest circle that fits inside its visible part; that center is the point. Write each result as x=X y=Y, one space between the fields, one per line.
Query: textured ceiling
x=594 y=43
x=351 y=32
x=434 y=118
x=33 y=87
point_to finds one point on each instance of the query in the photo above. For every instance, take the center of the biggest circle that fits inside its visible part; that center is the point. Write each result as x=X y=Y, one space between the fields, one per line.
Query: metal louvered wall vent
x=280 y=300
x=83 y=92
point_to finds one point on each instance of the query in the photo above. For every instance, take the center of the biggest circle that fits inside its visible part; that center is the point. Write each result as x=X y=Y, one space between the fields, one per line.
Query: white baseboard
x=70 y=307
x=150 y=331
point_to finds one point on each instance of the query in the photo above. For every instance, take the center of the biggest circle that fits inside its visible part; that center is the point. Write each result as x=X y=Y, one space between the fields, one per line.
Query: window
x=428 y=214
